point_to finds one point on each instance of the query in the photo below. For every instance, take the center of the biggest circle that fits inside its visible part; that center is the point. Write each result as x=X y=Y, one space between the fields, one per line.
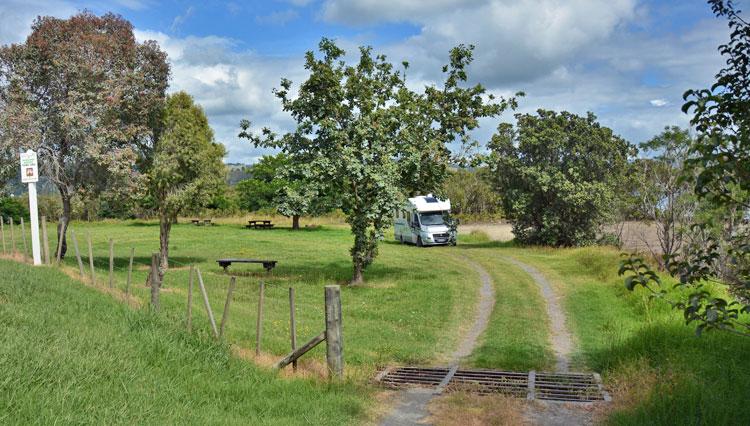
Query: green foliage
x=364 y=136
x=260 y=189
x=471 y=195
x=11 y=207
x=719 y=163
x=187 y=171
x=663 y=190
x=557 y=174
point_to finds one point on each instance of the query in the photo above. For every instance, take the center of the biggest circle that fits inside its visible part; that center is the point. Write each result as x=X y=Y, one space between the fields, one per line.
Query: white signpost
x=30 y=175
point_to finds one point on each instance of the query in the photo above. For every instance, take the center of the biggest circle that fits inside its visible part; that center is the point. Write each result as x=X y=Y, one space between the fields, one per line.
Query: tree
x=557 y=174
x=259 y=190
x=665 y=197
x=187 y=170
x=720 y=173
x=364 y=136
x=471 y=193
x=84 y=94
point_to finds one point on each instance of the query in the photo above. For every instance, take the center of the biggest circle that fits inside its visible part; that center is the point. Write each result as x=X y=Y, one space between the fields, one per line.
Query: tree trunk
x=295 y=221
x=358 y=276
x=62 y=226
x=165 y=226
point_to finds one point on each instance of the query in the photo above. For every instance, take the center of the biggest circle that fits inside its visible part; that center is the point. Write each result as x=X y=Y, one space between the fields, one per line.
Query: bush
x=13 y=208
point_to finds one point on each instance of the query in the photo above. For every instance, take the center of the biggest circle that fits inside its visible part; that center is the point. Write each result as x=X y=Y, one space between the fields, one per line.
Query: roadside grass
x=658 y=370
x=408 y=312
x=71 y=355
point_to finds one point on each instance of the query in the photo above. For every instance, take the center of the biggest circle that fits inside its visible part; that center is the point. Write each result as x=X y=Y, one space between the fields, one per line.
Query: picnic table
x=267 y=264
x=259 y=224
x=200 y=222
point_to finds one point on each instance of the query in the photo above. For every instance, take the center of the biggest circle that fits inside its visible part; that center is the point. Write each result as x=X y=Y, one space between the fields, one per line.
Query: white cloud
x=659 y=102
x=16 y=16
x=180 y=19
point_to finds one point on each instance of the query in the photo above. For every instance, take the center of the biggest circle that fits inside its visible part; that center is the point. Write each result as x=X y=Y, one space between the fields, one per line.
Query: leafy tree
x=471 y=193
x=187 y=170
x=12 y=208
x=557 y=174
x=720 y=163
x=84 y=94
x=363 y=135
x=664 y=196
x=260 y=189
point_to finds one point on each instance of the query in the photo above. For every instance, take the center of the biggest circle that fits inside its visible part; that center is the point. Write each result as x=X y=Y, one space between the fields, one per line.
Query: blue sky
x=628 y=61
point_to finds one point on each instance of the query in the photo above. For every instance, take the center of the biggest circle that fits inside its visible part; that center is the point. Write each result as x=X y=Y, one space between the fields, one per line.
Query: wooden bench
x=267 y=264
x=202 y=222
x=259 y=224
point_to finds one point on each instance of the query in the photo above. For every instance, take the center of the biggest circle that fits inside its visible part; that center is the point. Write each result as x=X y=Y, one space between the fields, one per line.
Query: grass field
x=411 y=311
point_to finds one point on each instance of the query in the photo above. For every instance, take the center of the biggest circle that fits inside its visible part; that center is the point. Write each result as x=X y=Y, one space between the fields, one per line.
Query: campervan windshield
x=431 y=218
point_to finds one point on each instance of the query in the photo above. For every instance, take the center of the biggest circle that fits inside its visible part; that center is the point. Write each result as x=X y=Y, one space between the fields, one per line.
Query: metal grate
x=570 y=387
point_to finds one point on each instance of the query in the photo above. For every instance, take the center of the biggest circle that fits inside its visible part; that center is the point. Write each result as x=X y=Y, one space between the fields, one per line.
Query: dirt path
x=411 y=404
x=560 y=338
x=548 y=413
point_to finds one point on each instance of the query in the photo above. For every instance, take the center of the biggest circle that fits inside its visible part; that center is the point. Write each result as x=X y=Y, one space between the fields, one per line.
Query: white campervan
x=423 y=221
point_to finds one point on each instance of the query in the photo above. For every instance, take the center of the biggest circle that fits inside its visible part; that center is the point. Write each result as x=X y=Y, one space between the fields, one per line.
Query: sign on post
x=30 y=175
x=29 y=167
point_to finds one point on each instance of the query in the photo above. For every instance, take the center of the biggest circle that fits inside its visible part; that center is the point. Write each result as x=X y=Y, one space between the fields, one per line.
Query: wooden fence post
x=259 y=322
x=205 y=302
x=78 y=252
x=130 y=272
x=334 y=343
x=59 y=241
x=189 y=320
x=225 y=315
x=111 y=263
x=292 y=325
x=155 y=284
x=2 y=231
x=23 y=238
x=45 y=241
x=91 y=260
x=12 y=236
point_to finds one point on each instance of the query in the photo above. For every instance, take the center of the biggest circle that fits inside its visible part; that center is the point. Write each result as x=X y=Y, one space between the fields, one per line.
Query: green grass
x=660 y=371
x=68 y=345
x=72 y=355
x=517 y=335
x=409 y=311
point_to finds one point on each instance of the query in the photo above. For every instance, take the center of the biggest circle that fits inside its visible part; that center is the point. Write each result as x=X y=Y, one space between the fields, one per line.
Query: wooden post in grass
x=259 y=321
x=205 y=302
x=12 y=236
x=301 y=351
x=225 y=315
x=155 y=284
x=45 y=241
x=91 y=259
x=189 y=319
x=23 y=238
x=292 y=325
x=59 y=242
x=2 y=231
x=130 y=272
x=78 y=252
x=334 y=343
x=111 y=263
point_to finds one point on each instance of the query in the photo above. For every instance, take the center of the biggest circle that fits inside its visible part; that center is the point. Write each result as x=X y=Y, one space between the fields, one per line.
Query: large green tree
x=719 y=167
x=187 y=171
x=84 y=94
x=557 y=174
x=364 y=135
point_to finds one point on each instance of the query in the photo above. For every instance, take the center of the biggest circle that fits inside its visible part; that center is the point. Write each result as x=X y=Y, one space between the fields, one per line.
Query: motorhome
x=424 y=221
